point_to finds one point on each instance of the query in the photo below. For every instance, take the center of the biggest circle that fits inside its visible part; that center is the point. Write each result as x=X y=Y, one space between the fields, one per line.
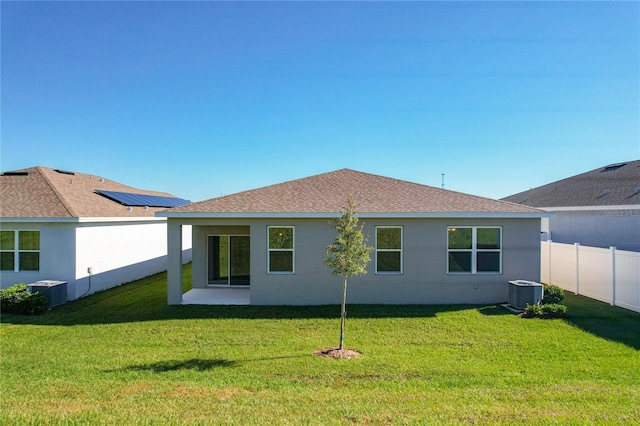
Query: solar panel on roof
x=64 y=172
x=15 y=174
x=140 y=200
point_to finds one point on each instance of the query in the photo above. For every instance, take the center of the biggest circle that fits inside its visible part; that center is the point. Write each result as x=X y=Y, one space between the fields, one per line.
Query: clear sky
x=202 y=99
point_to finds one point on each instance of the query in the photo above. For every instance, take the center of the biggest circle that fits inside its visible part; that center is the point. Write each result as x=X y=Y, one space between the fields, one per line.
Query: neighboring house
x=432 y=246
x=600 y=208
x=89 y=231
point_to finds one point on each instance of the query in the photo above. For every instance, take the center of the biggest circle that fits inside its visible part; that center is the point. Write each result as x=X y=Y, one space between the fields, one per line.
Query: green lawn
x=124 y=357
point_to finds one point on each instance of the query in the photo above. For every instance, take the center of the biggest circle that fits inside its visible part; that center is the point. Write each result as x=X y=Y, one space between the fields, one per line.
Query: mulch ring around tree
x=336 y=353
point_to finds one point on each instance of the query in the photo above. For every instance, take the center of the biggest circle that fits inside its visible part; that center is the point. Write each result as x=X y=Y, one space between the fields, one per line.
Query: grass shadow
x=494 y=310
x=600 y=319
x=146 y=300
x=603 y=320
x=99 y=313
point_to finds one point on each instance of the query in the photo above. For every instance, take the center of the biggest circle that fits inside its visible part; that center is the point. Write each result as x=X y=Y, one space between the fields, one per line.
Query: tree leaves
x=349 y=254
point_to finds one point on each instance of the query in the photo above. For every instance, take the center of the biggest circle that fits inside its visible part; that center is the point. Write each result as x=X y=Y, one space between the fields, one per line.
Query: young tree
x=348 y=255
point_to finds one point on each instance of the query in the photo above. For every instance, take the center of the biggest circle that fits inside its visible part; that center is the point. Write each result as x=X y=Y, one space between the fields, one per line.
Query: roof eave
x=364 y=215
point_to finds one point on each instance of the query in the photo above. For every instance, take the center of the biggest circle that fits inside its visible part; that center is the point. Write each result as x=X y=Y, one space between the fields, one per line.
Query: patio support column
x=174 y=262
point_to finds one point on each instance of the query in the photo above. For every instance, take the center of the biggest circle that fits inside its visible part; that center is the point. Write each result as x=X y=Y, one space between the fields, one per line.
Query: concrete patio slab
x=217 y=296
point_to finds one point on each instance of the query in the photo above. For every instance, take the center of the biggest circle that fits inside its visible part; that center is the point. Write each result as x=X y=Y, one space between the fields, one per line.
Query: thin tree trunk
x=343 y=313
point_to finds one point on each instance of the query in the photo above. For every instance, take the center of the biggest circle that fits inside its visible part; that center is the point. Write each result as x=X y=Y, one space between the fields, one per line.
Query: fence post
x=577 y=246
x=613 y=275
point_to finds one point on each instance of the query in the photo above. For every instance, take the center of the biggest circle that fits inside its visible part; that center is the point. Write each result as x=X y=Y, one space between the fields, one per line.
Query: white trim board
x=80 y=219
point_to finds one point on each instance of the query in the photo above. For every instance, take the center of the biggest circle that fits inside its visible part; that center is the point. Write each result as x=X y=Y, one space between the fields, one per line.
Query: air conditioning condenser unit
x=523 y=292
x=54 y=291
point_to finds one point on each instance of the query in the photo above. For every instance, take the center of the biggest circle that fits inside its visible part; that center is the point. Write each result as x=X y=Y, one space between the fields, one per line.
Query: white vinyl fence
x=608 y=275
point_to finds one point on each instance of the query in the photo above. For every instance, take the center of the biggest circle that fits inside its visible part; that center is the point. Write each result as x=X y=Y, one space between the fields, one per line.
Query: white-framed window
x=388 y=249
x=474 y=250
x=280 y=247
x=19 y=250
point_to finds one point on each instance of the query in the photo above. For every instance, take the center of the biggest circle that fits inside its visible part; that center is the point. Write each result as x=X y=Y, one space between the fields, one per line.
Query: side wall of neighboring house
x=57 y=253
x=600 y=228
x=118 y=253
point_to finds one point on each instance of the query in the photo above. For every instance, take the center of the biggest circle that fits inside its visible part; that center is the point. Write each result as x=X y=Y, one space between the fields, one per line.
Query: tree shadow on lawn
x=197 y=364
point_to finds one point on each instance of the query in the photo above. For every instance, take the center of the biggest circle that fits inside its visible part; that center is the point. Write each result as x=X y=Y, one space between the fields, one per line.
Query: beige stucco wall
x=424 y=279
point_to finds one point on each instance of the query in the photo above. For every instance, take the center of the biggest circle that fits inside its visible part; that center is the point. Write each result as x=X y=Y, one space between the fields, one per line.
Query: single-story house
x=599 y=208
x=432 y=246
x=85 y=230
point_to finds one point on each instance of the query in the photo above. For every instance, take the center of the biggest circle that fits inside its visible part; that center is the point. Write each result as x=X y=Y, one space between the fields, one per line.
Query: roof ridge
x=55 y=191
x=449 y=191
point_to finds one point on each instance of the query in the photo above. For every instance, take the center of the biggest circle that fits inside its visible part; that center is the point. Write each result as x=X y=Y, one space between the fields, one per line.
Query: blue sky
x=202 y=99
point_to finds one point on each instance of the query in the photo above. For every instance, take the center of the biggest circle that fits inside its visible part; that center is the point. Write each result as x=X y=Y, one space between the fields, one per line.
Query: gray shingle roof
x=616 y=184
x=41 y=192
x=328 y=192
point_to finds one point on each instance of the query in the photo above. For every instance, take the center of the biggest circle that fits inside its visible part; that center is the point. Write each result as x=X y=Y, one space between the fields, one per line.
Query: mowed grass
x=124 y=357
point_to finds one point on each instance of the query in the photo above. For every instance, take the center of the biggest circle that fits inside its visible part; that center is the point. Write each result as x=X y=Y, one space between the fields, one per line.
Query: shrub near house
x=550 y=306
x=552 y=294
x=17 y=300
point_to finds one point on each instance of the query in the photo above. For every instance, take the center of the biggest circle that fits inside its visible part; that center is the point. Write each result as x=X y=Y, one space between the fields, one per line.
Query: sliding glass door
x=229 y=259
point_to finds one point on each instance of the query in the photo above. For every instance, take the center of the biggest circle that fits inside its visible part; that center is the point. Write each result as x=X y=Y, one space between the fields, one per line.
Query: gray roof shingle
x=613 y=185
x=41 y=192
x=328 y=192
